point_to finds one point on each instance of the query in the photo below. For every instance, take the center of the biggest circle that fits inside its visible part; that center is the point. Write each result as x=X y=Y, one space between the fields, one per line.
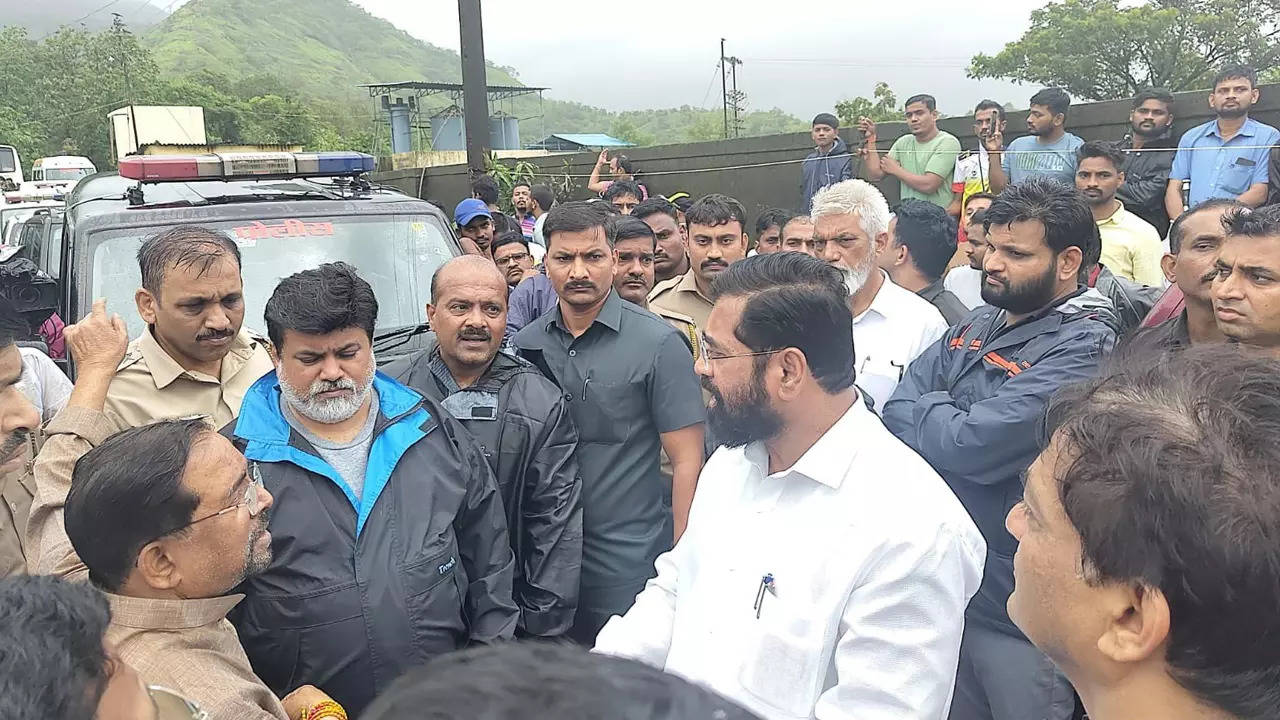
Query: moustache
x=707 y=264
x=15 y=441
x=579 y=285
x=214 y=335
x=324 y=386
x=481 y=335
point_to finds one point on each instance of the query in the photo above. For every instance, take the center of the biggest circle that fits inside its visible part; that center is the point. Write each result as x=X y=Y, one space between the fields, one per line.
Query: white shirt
x=43 y=383
x=965 y=283
x=888 y=335
x=873 y=561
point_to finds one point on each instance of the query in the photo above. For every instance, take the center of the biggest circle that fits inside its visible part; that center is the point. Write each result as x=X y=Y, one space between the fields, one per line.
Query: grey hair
x=853 y=196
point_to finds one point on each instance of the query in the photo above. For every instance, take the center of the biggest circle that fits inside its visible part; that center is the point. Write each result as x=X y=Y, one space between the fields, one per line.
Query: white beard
x=329 y=410
x=855 y=278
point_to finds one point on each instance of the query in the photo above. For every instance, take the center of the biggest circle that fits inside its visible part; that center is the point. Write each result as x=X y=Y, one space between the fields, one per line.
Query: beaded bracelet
x=326 y=709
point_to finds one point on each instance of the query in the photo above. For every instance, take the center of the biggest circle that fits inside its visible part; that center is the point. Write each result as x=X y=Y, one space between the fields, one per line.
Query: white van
x=10 y=168
x=55 y=176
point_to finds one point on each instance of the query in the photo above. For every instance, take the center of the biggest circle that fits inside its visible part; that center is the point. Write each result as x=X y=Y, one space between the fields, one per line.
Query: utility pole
x=724 y=90
x=475 y=98
x=731 y=99
x=736 y=97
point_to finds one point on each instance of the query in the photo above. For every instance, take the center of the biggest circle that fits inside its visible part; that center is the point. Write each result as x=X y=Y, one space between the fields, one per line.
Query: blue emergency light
x=244 y=165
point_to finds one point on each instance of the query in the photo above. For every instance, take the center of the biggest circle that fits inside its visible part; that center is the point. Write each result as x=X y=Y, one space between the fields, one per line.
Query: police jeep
x=287 y=211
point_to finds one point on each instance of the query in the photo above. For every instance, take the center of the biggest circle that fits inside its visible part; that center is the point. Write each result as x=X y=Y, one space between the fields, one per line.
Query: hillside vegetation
x=326 y=48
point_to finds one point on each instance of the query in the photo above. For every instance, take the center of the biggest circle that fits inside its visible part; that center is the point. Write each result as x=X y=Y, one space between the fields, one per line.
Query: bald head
x=469 y=269
x=468 y=313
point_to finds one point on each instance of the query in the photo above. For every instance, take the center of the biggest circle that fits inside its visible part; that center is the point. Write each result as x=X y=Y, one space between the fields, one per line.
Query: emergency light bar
x=245 y=165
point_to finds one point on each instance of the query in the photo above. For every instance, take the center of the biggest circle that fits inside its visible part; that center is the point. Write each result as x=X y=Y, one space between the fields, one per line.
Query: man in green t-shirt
x=923 y=161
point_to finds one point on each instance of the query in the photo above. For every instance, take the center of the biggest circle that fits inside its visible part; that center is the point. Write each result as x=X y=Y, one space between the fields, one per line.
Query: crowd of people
x=943 y=460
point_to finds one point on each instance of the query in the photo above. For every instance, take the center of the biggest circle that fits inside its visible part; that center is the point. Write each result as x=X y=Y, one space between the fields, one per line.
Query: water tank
x=511 y=132
x=496 y=139
x=447 y=131
x=401 y=135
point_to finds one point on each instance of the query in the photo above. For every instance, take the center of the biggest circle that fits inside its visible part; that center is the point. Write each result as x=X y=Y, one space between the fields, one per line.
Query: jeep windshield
x=396 y=254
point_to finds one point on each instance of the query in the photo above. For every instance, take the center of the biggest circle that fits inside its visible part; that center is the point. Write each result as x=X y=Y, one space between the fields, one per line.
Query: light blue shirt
x=1027 y=157
x=1223 y=171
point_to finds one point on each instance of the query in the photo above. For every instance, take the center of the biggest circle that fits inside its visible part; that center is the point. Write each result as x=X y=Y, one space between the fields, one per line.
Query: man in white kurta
x=826 y=567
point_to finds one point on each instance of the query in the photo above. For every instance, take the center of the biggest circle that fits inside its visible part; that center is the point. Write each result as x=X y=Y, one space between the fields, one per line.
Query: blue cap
x=469 y=210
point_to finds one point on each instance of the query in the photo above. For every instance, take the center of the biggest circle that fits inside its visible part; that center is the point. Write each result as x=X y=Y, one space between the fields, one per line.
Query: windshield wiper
x=393 y=339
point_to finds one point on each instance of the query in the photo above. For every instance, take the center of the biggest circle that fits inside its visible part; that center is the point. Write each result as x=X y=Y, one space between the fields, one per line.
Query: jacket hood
x=1091 y=304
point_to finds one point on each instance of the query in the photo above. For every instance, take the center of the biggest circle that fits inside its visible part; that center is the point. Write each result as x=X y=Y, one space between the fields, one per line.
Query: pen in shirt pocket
x=766 y=586
x=585 y=382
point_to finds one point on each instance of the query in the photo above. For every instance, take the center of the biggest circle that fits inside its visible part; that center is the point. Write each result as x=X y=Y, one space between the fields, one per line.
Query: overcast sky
x=801 y=57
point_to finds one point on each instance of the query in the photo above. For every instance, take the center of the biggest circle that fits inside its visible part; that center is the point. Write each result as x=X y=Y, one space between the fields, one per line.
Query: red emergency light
x=247 y=166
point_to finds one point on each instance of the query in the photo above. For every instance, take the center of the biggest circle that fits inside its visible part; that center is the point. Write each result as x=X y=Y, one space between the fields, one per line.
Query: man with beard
x=669 y=258
x=857 y=560
x=628 y=378
x=891 y=325
x=717 y=239
x=971 y=405
x=1047 y=150
x=389 y=535
x=193 y=358
x=19 y=422
x=1194 y=240
x=1225 y=157
x=1148 y=151
x=1131 y=248
x=188 y=523
x=525 y=431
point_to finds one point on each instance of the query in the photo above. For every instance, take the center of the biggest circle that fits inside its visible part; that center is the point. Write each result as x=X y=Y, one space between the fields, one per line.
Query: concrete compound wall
x=764 y=171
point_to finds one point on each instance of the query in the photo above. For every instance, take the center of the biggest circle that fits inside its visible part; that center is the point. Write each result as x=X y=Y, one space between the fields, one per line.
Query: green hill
x=319 y=47
x=324 y=49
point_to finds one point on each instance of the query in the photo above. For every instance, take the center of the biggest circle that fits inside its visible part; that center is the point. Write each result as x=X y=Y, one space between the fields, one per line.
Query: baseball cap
x=469 y=210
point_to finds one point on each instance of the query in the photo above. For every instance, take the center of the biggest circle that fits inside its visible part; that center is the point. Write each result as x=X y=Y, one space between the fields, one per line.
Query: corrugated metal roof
x=592 y=139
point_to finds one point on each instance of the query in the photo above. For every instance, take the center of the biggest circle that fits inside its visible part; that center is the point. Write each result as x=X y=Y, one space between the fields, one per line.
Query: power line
x=78 y=20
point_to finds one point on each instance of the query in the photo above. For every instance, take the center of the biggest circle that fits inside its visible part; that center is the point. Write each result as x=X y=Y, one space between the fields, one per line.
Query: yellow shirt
x=1131 y=247
x=150 y=384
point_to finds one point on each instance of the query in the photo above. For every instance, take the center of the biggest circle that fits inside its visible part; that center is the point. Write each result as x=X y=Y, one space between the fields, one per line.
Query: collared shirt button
x=568 y=397
x=573 y=353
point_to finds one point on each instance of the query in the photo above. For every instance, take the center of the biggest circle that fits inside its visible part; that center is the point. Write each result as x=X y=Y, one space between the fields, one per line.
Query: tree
x=883 y=107
x=1098 y=50
x=626 y=128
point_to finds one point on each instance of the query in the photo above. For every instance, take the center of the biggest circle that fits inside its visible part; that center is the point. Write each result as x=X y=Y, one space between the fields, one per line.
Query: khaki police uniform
x=150 y=384
x=681 y=295
x=686 y=326
x=17 y=490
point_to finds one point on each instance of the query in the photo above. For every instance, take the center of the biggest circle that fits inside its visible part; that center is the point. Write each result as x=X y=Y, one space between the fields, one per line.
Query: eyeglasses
x=706 y=354
x=172 y=706
x=249 y=499
x=513 y=259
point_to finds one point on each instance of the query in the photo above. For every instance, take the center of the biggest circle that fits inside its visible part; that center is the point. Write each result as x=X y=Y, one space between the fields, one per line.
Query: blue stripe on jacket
x=263 y=425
